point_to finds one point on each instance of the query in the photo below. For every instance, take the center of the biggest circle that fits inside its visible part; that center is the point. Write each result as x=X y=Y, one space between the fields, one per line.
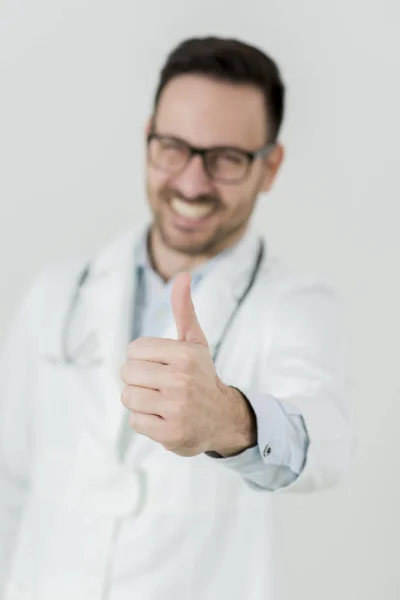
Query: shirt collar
x=143 y=260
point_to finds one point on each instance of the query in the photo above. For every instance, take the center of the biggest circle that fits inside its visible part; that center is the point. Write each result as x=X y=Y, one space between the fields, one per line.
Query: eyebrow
x=227 y=146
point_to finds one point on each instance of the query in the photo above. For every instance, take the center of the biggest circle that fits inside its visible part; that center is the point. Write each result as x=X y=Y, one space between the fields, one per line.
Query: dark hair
x=232 y=61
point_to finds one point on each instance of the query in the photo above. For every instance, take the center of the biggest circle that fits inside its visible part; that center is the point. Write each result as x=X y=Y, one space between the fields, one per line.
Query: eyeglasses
x=224 y=164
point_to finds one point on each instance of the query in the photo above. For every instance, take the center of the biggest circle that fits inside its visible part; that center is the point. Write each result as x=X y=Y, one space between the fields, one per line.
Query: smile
x=191 y=210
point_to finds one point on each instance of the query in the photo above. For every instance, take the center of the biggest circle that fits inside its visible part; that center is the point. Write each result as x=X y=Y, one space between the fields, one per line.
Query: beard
x=190 y=242
x=205 y=241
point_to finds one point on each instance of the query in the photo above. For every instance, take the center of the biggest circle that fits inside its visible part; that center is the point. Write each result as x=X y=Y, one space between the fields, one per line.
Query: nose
x=193 y=180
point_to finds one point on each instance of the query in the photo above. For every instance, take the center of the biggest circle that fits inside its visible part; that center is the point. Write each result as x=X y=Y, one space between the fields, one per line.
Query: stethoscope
x=85 y=353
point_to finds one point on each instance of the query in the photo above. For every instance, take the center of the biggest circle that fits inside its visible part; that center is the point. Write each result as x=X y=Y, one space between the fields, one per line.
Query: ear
x=273 y=163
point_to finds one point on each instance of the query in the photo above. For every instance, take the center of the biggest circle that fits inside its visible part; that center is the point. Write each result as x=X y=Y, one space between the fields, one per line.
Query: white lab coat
x=200 y=533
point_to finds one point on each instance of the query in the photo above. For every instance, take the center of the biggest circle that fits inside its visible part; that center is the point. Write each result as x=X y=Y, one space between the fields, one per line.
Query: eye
x=171 y=144
x=168 y=153
x=233 y=157
x=220 y=158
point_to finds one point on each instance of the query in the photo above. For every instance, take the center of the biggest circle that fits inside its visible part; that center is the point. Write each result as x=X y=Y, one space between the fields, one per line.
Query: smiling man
x=212 y=150
x=153 y=398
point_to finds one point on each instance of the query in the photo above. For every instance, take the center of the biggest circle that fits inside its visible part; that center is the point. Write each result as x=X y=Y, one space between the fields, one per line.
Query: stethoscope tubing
x=68 y=359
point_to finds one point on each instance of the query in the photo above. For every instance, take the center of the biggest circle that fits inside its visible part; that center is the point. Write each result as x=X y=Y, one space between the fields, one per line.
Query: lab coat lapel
x=107 y=299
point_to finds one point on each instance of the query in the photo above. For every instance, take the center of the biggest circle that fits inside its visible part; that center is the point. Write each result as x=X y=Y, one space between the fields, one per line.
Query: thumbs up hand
x=174 y=393
x=187 y=326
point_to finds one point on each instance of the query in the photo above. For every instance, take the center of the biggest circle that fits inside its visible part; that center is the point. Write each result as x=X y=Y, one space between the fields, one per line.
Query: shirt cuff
x=279 y=456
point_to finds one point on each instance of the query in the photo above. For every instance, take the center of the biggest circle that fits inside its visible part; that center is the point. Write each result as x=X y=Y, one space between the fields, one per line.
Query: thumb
x=187 y=326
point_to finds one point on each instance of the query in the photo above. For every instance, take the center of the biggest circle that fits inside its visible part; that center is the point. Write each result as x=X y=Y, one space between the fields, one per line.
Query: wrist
x=239 y=431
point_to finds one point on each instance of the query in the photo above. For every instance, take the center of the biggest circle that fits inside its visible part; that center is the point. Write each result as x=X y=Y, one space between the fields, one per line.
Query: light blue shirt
x=282 y=441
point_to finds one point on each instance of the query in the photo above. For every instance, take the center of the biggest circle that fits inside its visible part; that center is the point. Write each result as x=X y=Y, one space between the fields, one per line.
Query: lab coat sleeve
x=279 y=456
x=306 y=375
x=307 y=368
x=17 y=364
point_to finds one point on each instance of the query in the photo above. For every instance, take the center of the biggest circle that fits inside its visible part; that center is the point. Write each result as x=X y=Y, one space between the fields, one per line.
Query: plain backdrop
x=76 y=85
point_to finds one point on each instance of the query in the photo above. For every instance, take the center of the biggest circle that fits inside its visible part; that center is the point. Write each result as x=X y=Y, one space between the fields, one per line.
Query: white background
x=76 y=84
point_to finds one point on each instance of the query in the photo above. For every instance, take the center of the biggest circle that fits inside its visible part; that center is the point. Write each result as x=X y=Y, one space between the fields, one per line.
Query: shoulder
x=301 y=304
x=303 y=317
x=278 y=283
x=57 y=277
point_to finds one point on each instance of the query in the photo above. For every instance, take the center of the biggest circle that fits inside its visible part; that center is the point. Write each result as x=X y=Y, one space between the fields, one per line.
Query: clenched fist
x=175 y=395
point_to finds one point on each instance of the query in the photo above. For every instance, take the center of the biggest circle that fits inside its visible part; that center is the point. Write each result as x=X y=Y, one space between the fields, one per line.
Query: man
x=231 y=397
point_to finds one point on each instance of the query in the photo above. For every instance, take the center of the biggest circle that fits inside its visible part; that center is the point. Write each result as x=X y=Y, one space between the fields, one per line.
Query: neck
x=167 y=262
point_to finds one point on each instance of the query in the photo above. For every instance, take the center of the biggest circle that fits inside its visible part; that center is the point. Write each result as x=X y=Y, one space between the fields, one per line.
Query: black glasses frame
x=251 y=156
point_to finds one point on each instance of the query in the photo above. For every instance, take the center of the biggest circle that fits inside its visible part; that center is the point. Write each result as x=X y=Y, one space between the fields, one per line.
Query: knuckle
x=129 y=397
x=134 y=347
x=189 y=359
x=182 y=382
x=134 y=421
x=125 y=397
x=126 y=372
x=123 y=372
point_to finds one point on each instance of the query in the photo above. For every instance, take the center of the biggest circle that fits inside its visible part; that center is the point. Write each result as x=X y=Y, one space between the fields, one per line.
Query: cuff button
x=267 y=451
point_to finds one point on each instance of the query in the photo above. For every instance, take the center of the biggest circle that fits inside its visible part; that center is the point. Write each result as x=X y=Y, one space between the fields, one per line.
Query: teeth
x=193 y=210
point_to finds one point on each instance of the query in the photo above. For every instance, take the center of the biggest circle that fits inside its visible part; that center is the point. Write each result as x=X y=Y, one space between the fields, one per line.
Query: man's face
x=193 y=213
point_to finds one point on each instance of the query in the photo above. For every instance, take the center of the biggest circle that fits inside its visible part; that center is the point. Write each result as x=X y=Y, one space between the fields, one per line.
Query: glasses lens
x=227 y=164
x=168 y=154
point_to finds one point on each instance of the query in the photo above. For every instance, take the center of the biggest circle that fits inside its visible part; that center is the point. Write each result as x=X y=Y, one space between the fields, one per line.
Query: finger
x=187 y=325
x=145 y=374
x=150 y=375
x=151 y=426
x=159 y=350
x=143 y=400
